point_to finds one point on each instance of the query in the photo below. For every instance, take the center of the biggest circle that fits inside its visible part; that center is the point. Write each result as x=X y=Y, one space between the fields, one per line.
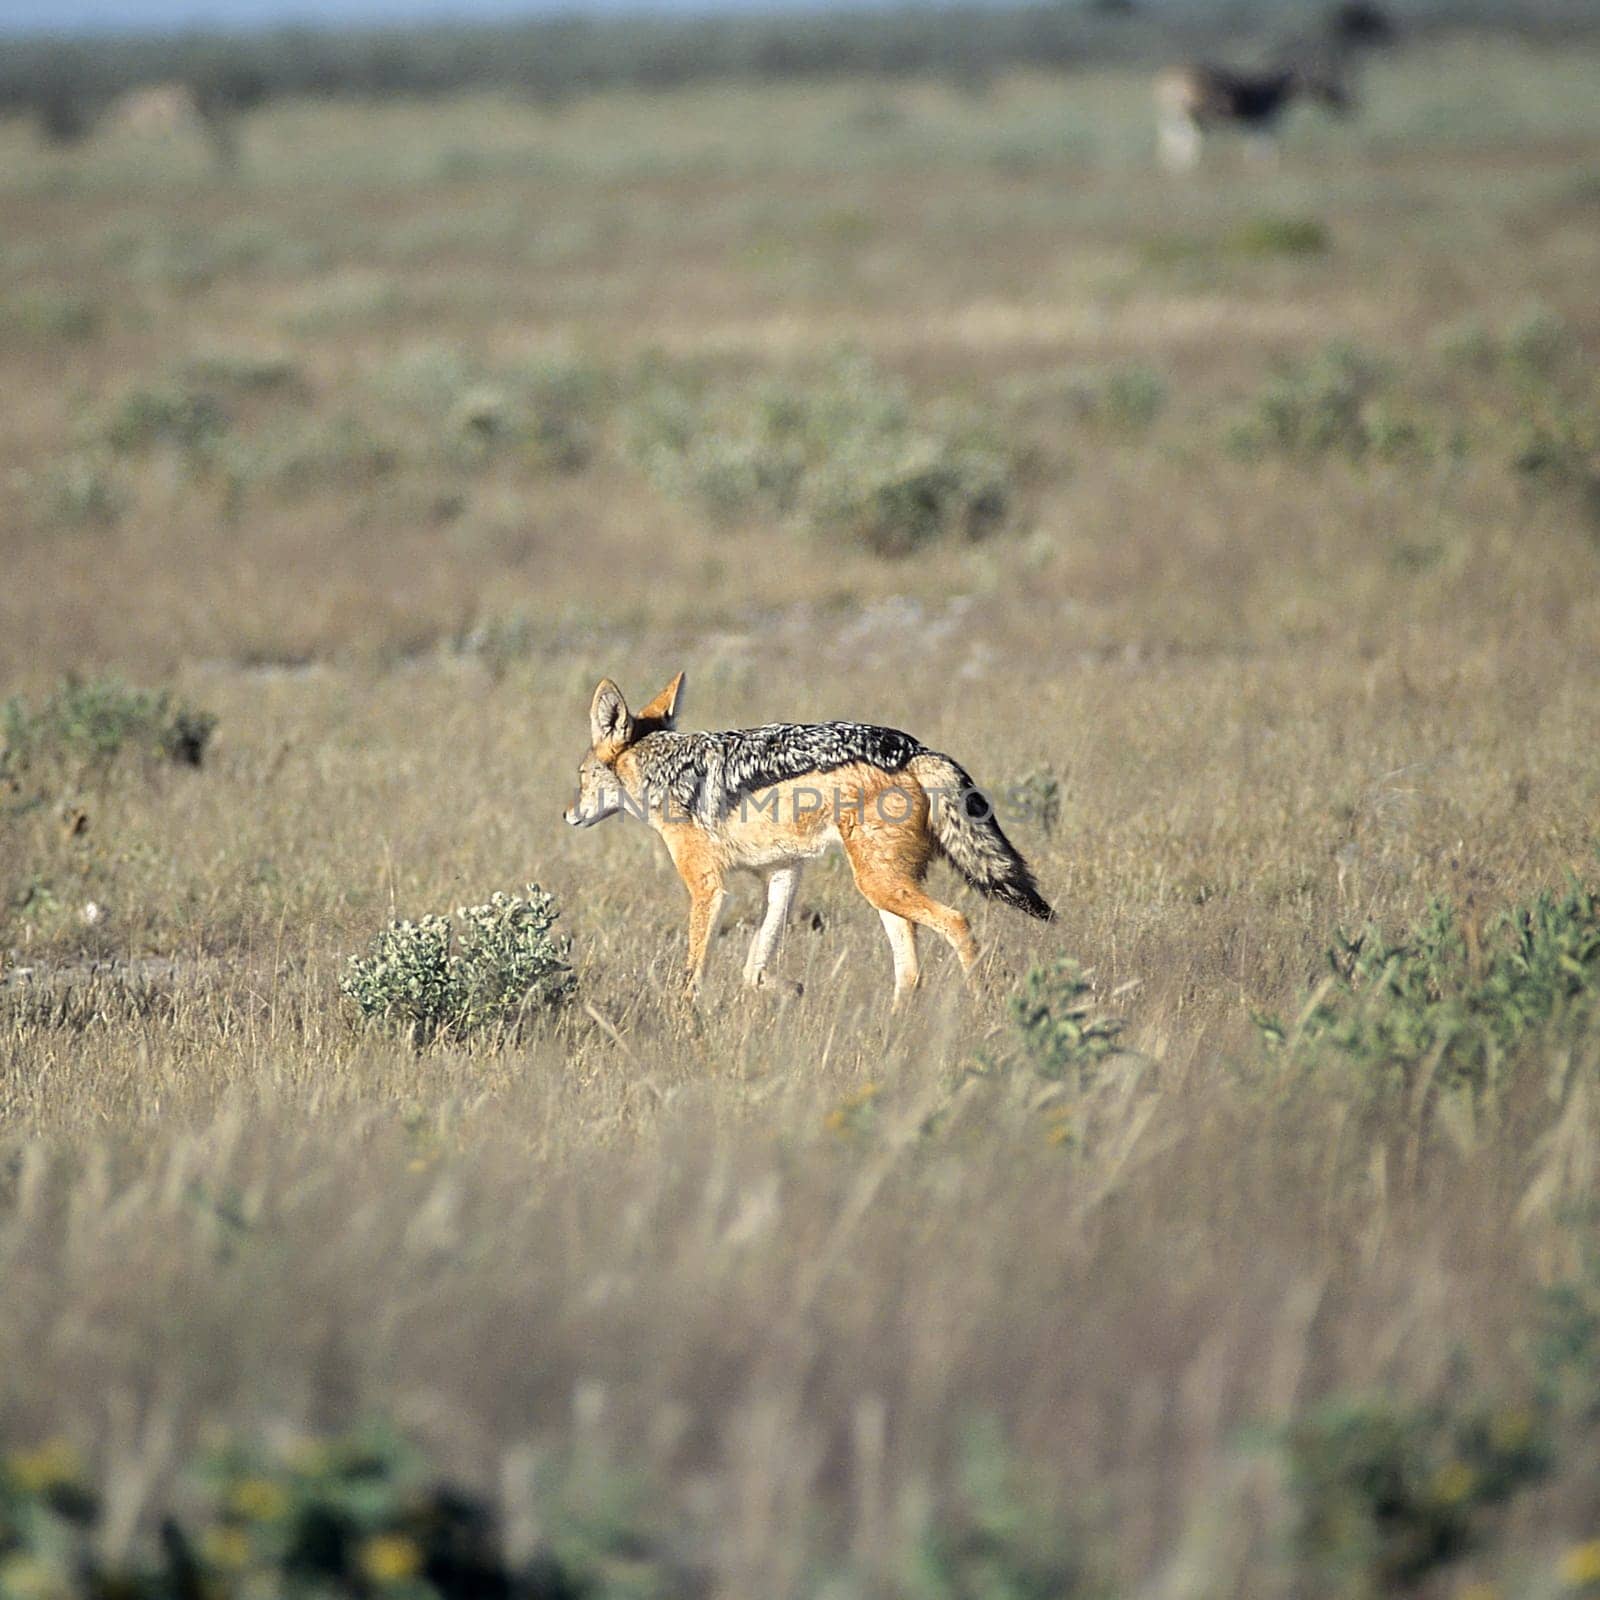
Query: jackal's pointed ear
x=664 y=708
x=609 y=722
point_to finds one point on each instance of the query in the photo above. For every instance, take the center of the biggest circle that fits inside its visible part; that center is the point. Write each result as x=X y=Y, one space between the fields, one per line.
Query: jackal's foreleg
x=1178 y=141
x=705 y=906
x=780 y=893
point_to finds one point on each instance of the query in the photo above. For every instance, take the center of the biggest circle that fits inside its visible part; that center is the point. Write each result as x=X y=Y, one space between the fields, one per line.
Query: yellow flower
x=1510 y=1430
x=226 y=1547
x=1453 y=1482
x=1478 y=1591
x=258 y=1499
x=1581 y=1564
x=308 y=1457
x=841 y=1118
x=1062 y=1126
x=25 y=1577
x=46 y=1466
x=390 y=1558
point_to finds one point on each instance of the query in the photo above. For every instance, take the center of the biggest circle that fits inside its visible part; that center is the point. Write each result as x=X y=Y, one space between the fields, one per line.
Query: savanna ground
x=1252 y=527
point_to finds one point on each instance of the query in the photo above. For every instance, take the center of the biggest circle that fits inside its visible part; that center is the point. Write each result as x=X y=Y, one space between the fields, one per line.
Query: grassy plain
x=1296 y=600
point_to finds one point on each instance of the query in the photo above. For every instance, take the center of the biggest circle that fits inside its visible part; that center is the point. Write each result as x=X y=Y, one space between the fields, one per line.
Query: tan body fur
x=155 y=111
x=175 y=110
x=883 y=820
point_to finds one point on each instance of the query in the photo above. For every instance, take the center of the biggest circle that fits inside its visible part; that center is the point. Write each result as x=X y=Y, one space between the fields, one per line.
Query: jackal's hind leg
x=780 y=894
x=1179 y=142
x=1264 y=150
x=891 y=882
x=903 y=942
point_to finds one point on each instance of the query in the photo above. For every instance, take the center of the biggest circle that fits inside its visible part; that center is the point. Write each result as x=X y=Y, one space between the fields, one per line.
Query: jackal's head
x=613 y=730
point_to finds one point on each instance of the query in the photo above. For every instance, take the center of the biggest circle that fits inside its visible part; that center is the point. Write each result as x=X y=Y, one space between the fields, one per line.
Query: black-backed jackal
x=1192 y=100
x=176 y=110
x=769 y=799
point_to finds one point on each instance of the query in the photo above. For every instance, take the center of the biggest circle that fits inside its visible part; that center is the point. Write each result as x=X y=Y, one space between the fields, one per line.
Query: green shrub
x=49 y=314
x=1279 y=236
x=1537 y=340
x=504 y=965
x=247 y=371
x=543 y=410
x=165 y=414
x=91 y=723
x=1533 y=344
x=1001 y=1538
x=1537 y=395
x=1130 y=398
x=843 y=456
x=306 y=455
x=1566 y=1346
x=1446 y=994
x=1058 y=1030
x=1467 y=342
x=1388 y=1493
x=1331 y=402
x=47 y=1513
x=1036 y=797
x=1120 y=399
x=357 y=1516
x=83 y=490
x=1557 y=444
x=898 y=498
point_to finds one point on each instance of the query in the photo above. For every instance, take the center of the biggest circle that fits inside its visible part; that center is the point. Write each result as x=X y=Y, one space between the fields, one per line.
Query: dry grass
x=1284 y=693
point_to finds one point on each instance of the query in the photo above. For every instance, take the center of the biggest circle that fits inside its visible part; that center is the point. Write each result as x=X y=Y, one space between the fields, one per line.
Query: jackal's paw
x=781 y=988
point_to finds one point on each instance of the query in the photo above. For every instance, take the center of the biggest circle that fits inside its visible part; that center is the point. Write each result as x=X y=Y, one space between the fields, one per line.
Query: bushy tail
x=968 y=833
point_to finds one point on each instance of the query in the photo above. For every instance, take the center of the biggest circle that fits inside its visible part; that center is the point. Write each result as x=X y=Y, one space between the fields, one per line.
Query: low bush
x=187 y=419
x=1274 y=235
x=90 y=724
x=48 y=315
x=1451 y=995
x=1557 y=445
x=246 y=371
x=844 y=455
x=1059 y=1032
x=1001 y=1537
x=1388 y=1493
x=1537 y=340
x=546 y=410
x=504 y=965
x=83 y=490
x=1533 y=343
x=358 y=1515
x=1332 y=402
x=304 y=455
x=1122 y=400
x=1035 y=798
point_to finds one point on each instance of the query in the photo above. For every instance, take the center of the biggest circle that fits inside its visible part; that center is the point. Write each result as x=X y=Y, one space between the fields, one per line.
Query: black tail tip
x=1028 y=900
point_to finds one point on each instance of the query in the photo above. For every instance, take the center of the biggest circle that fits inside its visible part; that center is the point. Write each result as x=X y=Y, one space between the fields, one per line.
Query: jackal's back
x=706 y=773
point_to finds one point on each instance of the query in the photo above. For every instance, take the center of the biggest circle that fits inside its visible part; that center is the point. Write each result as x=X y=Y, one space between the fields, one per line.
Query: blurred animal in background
x=1194 y=100
x=1200 y=97
x=175 y=110
x=206 y=109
